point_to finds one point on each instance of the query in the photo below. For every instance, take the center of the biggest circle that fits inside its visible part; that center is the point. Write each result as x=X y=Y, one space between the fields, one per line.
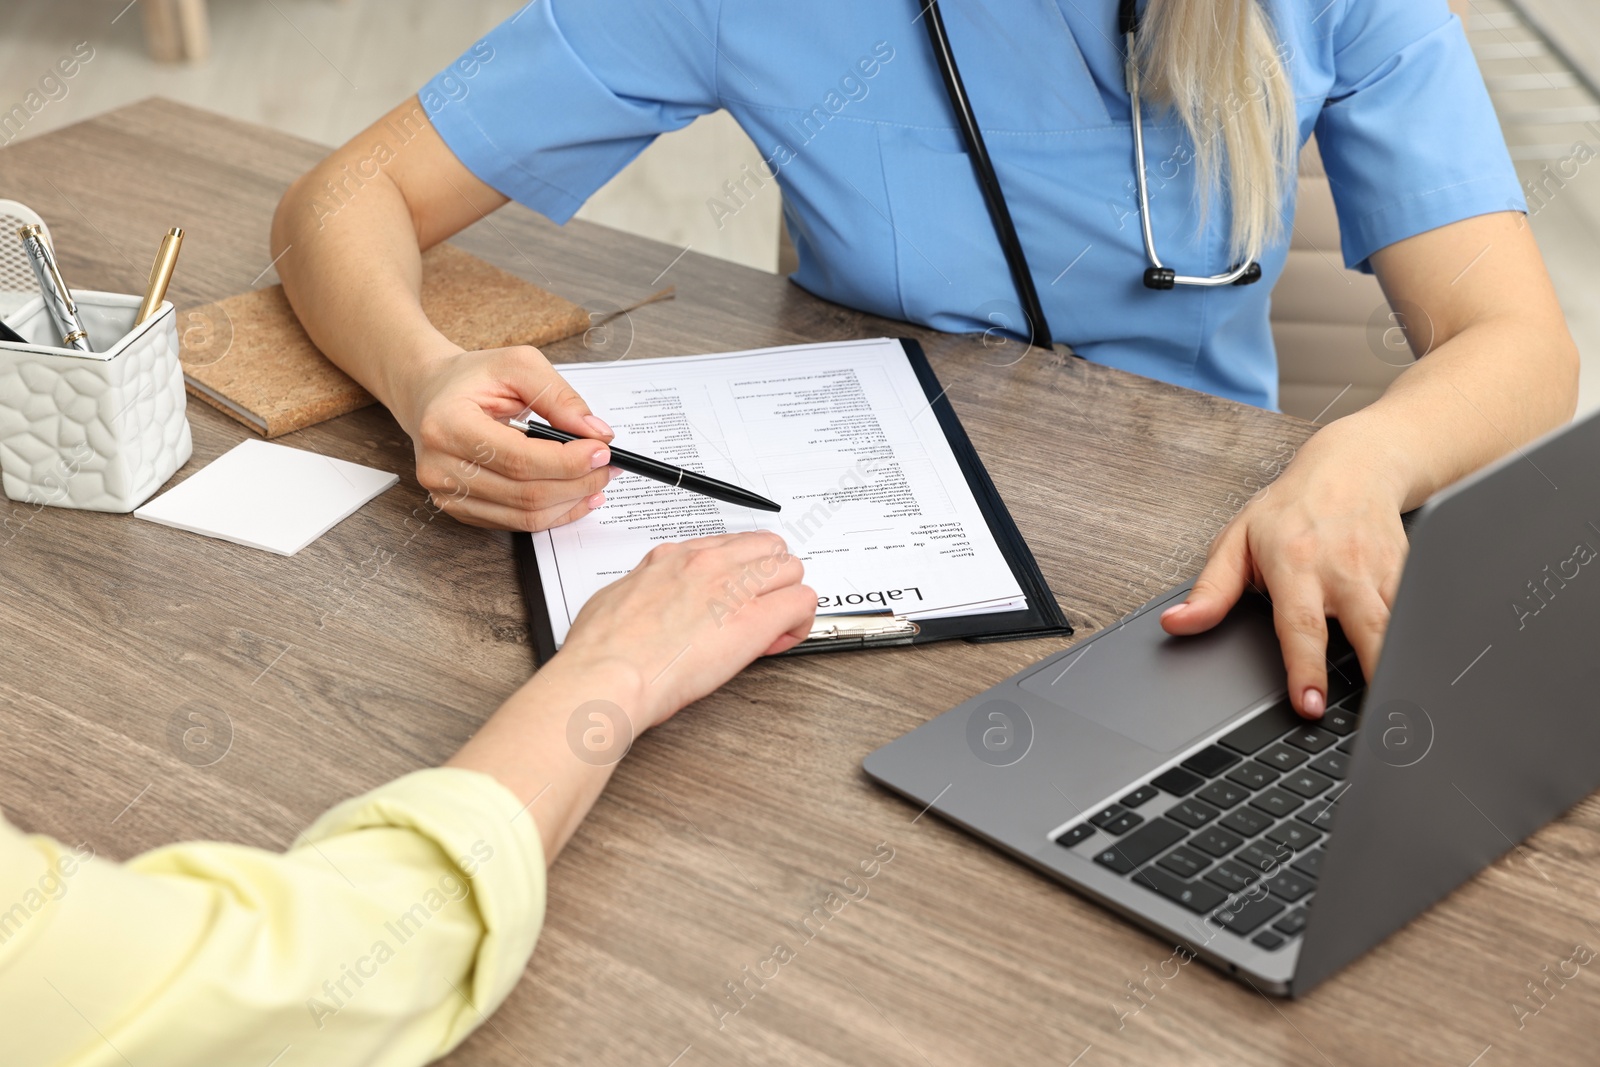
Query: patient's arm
x=401 y=919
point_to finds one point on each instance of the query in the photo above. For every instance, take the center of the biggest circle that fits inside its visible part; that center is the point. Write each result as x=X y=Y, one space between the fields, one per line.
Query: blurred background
x=324 y=69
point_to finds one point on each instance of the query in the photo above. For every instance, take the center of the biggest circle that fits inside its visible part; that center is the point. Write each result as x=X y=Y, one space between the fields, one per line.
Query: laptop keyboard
x=1235 y=832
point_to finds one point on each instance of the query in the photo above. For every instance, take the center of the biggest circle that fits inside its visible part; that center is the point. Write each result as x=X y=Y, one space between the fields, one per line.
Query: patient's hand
x=689 y=617
x=681 y=623
x=482 y=471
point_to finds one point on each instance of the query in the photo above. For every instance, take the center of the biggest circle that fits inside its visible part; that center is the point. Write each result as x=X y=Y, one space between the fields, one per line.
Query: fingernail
x=1173 y=610
x=595 y=501
x=598 y=425
x=1312 y=702
x=600 y=459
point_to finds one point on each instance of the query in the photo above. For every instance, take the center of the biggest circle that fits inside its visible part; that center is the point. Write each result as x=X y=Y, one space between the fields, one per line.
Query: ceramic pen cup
x=99 y=430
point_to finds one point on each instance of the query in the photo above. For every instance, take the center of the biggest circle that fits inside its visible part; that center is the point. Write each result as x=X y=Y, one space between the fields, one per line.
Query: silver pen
x=57 y=297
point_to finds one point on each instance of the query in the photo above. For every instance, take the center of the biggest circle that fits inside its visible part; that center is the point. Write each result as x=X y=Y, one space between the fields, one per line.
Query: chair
x=1339 y=346
x=176 y=30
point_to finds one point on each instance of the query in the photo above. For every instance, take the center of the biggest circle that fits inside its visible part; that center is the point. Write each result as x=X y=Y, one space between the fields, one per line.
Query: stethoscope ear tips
x=1161 y=278
x=1251 y=275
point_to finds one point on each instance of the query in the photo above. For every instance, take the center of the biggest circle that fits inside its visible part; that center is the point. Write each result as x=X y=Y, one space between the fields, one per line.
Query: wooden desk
x=377 y=650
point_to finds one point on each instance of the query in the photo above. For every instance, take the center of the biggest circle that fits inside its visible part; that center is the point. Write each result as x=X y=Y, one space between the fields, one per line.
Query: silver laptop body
x=1479 y=727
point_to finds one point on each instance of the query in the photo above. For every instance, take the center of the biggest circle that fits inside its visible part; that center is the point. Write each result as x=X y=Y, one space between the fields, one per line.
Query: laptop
x=1168 y=779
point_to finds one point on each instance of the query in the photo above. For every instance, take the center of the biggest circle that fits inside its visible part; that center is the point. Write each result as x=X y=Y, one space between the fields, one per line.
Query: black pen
x=655 y=470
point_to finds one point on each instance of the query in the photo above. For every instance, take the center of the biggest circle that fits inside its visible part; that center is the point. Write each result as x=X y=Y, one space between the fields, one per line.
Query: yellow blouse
x=390 y=930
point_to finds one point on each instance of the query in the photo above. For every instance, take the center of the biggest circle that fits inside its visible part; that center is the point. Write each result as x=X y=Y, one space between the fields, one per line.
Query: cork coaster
x=249 y=357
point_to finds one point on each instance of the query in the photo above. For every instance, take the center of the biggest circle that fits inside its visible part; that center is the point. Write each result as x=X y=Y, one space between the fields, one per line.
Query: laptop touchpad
x=1163 y=691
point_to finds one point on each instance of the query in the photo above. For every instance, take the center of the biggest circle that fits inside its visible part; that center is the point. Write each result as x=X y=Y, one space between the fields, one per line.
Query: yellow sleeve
x=388 y=932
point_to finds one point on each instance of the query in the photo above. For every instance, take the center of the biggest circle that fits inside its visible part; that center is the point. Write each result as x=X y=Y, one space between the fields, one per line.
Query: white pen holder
x=97 y=430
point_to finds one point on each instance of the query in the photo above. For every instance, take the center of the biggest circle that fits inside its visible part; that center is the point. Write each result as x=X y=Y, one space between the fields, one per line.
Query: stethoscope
x=1158 y=275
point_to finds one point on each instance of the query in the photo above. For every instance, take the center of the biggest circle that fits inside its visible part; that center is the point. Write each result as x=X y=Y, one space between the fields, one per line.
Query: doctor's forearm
x=354 y=280
x=1496 y=365
x=1494 y=387
x=350 y=235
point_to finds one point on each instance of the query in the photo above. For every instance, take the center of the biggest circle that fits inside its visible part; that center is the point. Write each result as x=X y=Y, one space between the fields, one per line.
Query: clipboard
x=1043 y=617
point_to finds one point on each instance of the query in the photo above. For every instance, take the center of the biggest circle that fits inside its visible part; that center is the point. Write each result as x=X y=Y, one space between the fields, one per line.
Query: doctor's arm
x=348 y=239
x=1496 y=367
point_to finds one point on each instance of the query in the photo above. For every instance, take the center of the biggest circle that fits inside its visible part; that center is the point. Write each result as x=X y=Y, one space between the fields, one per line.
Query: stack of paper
x=270 y=497
x=841 y=434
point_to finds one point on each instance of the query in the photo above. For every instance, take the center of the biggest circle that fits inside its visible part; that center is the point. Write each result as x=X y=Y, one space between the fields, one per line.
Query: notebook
x=902 y=533
x=249 y=357
x=266 y=496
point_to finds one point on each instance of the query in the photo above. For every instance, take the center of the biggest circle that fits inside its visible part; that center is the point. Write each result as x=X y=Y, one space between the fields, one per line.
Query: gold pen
x=160 y=275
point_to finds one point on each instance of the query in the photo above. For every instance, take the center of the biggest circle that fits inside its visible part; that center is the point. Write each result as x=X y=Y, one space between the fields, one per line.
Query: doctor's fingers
x=1300 y=617
x=1227 y=574
x=465 y=439
x=527 y=371
x=475 y=511
x=540 y=496
x=1363 y=614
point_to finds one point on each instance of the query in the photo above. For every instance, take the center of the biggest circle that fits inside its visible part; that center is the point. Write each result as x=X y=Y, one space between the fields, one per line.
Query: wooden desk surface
x=380 y=648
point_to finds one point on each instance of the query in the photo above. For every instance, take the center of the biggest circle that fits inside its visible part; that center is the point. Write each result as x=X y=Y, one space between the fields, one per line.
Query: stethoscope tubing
x=999 y=211
x=1230 y=278
x=1159 y=276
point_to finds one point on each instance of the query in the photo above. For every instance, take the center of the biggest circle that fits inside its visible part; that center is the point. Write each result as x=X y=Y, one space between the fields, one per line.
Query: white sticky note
x=268 y=496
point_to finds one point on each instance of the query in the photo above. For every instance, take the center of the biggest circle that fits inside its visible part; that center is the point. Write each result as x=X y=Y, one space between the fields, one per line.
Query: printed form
x=840 y=434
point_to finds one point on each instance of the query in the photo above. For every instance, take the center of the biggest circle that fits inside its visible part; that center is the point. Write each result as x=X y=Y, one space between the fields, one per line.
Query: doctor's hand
x=1323 y=541
x=482 y=471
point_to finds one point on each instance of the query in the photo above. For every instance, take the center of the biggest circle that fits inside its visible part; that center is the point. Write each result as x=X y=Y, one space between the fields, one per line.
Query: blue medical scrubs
x=844 y=101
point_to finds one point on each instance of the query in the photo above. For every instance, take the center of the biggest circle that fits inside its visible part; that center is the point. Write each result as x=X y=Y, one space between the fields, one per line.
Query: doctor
x=858 y=126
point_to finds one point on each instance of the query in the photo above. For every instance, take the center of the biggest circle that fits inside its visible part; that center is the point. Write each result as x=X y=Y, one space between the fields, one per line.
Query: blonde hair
x=1217 y=64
